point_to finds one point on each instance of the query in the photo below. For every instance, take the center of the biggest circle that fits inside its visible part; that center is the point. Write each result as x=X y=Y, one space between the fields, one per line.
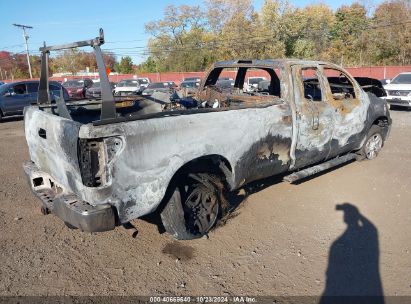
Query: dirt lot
x=281 y=241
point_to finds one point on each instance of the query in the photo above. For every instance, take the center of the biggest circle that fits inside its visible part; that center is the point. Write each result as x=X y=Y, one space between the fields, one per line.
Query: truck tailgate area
x=52 y=142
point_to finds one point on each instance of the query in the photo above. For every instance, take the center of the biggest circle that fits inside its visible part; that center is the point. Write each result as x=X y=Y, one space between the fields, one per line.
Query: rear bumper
x=68 y=207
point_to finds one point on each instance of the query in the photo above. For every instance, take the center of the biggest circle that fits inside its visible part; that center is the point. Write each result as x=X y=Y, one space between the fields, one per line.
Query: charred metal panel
x=315 y=123
x=155 y=149
x=55 y=154
x=350 y=116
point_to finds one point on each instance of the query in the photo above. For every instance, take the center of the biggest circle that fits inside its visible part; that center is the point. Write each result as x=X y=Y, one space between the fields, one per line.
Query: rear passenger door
x=315 y=117
x=16 y=98
x=349 y=109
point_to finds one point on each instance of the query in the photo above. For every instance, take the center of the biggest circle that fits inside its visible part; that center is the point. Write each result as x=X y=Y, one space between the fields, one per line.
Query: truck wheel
x=193 y=208
x=373 y=143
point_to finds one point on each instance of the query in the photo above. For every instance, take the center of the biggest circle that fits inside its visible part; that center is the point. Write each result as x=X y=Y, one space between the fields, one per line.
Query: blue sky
x=59 y=22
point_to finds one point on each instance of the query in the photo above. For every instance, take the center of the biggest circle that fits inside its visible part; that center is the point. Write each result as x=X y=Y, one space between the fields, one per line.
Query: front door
x=315 y=117
x=16 y=99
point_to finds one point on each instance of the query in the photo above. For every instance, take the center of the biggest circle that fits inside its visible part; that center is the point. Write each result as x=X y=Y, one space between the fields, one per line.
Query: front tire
x=373 y=144
x=193 y=208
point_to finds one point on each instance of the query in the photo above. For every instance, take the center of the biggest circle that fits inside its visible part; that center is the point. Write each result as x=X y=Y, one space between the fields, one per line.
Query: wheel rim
x=373 y=146
x=202 y=207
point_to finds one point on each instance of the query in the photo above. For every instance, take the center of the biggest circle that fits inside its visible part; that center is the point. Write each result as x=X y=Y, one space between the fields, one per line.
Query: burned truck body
x=159 y=155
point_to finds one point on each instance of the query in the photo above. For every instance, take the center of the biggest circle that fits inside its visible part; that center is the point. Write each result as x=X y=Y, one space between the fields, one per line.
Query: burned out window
x=340 y=84
x=311 y=84
x=247 y=81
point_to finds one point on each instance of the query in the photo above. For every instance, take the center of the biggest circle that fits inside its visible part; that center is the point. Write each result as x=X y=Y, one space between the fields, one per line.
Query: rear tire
x=193 y=208
x=373 y=144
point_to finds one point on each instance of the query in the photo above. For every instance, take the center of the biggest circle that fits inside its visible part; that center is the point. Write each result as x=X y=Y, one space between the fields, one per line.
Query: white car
x=399 y=90
x=128 y=87
x=144 y=82
x=252 y=83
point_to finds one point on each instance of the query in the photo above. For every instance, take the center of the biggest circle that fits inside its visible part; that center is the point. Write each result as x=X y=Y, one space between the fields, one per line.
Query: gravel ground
x=283 y=239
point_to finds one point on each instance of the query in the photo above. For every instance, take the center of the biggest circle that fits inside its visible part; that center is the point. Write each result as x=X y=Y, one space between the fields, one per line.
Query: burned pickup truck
x=175 y=157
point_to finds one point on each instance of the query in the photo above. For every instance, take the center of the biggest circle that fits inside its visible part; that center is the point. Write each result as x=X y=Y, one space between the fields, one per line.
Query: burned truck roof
x=276 y=63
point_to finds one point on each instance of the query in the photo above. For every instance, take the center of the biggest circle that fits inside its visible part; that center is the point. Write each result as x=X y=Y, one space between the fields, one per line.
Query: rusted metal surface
x=251 y=137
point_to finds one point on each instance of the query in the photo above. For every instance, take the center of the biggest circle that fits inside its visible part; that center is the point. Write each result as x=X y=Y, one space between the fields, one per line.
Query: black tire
x=373 y=143
x=193 y=208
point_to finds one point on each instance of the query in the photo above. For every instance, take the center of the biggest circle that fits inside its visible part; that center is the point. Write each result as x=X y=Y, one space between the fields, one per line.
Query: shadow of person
x=353 y=274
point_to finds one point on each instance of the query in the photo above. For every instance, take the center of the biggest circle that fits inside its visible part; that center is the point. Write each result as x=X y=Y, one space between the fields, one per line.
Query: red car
x=76 y=88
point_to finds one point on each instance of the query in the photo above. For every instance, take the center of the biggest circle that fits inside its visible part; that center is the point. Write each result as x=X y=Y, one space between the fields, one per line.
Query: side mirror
x=8 y=94
x=388 y=81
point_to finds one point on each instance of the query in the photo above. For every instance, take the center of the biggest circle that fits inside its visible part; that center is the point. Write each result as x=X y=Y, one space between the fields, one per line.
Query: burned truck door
x=350 y=107
x=315 y=119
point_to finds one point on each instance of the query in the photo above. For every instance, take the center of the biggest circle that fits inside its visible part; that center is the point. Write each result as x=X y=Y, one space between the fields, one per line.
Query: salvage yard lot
x=276 y=243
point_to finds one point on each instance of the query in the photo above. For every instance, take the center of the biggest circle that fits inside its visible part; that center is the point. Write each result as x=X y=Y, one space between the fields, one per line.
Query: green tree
x=391 y=44
x=347 y=34
x=125 y=66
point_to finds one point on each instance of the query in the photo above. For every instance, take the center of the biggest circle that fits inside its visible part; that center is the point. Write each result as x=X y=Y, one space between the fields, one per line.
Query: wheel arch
x=384 y=123
x=212 y=163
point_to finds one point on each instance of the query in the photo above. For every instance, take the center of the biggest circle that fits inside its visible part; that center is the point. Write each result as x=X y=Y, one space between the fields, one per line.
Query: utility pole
x=26 y=37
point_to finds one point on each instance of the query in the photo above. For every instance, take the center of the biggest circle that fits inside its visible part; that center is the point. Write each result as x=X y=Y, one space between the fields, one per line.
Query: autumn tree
x=348 y=28
x=391 y=44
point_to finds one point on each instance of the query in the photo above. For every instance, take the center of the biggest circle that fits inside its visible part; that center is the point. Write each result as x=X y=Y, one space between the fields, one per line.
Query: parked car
x=189 y=87
x=172 y=84
x=195 y=79
x=17 y=95
x=76 y=88
x=94 y=92
x=225 y=84
x=143 y=82
x=95 y=175
x=157 y=87
x=252 y=83
x=263 y=86
x=399 y=90
x=128 y=87
x=190 y=84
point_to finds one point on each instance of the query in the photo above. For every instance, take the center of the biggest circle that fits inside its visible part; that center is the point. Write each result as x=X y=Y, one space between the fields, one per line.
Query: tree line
x=191 y=37
x=14 y=65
